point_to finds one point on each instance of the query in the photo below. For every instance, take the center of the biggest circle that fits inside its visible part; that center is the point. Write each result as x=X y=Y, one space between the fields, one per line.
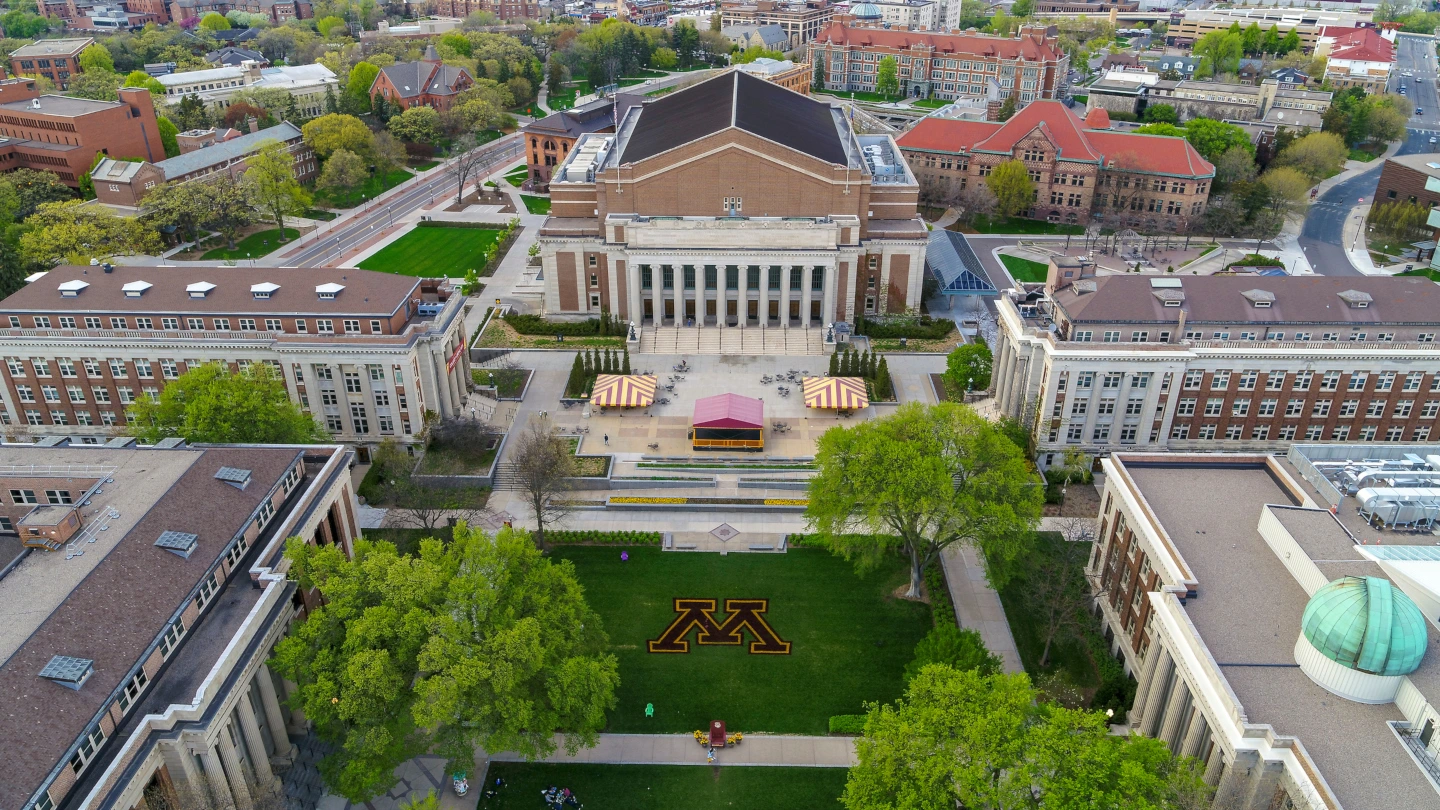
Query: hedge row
x=847 y=724
x=593 y=537
x=530 y=324
x=942 y=609
x=922 y=328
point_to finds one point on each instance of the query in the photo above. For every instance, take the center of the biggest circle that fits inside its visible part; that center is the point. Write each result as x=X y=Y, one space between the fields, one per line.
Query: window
x=25 y=393
x=1214 y=406
x=144 y=323
x=101 y=393
x=170 y=639
x=1100 y=434
x=1287 y=433
x=1180 y=432
x=1079 y=407
x=222 y=324
x=1386 y=381
x=1403 y=408
x=1113 y=379
x=300 y=325
x=1139 y=337
x=42 y=322
x=1375 y=409
x=67 y=322
x=195 y=323
x=42 y=367
x=1193 y=378
x=1421 y=433
x=1267 y=407
x=89 y=746
x=375 y=328
x=17 y=367
x=168 y=369
x=1186 y=407
x=1260 y=433
x=66 y=366
x=1075 y=434
x=1234 y=432
x=1349 y=407
x=20 y=496
x=58 y=496
x=274 y=325
x=1220 y=381
x=1302 y=380
x=92 y=367
x=1330 y=381
x=1127 y=435
x=1322 y=408
x=1313 y=433
x=1105 y=407
x=1357 y=381
x=1134 y=407
x=1240 y=407
x=1412 y=381
x=75 y=393
x=1275 y=381
x=132 y=690
x=170 y=323
x=1084 y=337
x=1206 y=432
x=1085 y=379
x=324 y=326
x=1248 y=379
x=1294 y=407
x=52 y=394
x=352 y=327
x=359 y=419
x=1112 y=337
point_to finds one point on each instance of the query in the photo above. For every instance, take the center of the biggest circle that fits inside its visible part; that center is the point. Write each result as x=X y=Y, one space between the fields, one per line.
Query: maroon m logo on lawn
x=740 y=615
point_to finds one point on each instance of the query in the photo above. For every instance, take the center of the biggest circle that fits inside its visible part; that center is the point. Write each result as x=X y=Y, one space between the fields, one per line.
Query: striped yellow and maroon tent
x=623 y=390
x=835 y=393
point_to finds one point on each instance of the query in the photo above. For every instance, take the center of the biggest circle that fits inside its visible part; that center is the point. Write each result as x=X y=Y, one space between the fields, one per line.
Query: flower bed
x=599 y=538
x=702 y=501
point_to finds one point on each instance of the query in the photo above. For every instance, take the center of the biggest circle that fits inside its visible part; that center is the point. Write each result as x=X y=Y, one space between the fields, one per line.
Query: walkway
x=681 y=749
x=977 y=605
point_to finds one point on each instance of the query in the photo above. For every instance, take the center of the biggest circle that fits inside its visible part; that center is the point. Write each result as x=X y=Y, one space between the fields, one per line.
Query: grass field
x=517 y=175
x=1433 y=275
x=1024 y=269
x=373 y=186
x=1068 y=653
x=930 y=103
x=536 y=205
x=424 y=165
x=254 y=246
x=859 y=95
x=433 y=252
x=662 y=787
x=850 y=637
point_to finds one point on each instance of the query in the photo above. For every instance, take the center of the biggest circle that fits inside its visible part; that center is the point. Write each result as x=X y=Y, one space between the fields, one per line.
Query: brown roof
x=121 y=608
x=1220 y=299
x=1026 y=47
x=366 y=293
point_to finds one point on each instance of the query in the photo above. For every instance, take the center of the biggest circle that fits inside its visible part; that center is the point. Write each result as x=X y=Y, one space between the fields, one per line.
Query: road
x=1321 y=235
x=350 y=232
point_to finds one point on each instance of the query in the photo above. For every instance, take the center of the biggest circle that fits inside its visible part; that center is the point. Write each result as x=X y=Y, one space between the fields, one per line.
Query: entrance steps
x=753 y=340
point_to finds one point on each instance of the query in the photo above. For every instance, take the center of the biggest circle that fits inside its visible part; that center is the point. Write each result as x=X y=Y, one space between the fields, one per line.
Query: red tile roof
x=1030 y=47
x=1363 y=45
x=1120 y=150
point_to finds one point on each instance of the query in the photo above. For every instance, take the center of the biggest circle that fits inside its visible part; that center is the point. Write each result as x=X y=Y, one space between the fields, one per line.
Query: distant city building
x=505 y=10
x=1269 y=101
x=769 y=37
x=279 y=11
x=802 y=20
x=1359 y=58
x=1290 y=77
x=369 y=354
x=61 y=134
x=946 y=66
x=417 y=29
x=231 y=56
x=1188 y=26
x=143 y=592
x=915 y=15
x=1085 y=6
x=427 y=83
x=55 y=59
x=217 y=87
x=645 y=12
x=783 y=72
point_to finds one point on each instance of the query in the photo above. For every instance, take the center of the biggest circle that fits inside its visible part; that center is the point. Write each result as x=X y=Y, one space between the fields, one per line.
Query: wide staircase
x=753 y=340
x=507 y=476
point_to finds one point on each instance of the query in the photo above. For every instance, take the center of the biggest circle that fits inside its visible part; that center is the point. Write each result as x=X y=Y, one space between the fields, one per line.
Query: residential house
x=427 y=83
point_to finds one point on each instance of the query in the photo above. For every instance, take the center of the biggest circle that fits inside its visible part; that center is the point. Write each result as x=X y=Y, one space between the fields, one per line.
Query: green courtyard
x=850 y=637
x=661 y=787
x=433 y=252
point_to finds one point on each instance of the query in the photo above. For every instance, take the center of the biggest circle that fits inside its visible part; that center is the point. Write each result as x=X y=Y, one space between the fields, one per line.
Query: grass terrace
x=1024 y=269
x=372 y=187
x=517 y=175
x=662 y=787
x=985 y=224
x=433 y=252
x=536 y=205
x=860 y=95
x=930 y=103
x=850 y=634
x=260 y=243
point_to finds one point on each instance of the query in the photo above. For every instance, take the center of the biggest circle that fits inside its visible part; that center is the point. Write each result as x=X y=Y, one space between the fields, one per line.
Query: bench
x=762 y=548
x=685 y=546
x=669 y=540
x=784 y=540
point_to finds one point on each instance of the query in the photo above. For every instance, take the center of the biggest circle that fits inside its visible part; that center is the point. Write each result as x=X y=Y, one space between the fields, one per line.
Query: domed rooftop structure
x=1366 y=624
x=865 y=11
x=1098 y=118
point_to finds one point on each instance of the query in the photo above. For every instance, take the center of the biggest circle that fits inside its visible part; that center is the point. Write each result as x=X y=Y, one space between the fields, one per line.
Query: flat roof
x=51 y=47
x=1247 y=611
x=1426 y=164
x=65 y=106
x=114 y=611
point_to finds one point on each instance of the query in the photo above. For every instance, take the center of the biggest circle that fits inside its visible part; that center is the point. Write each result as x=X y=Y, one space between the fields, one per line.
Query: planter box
x=798 y=484
x=486 y=479
x=757 y=505
x=643 y=483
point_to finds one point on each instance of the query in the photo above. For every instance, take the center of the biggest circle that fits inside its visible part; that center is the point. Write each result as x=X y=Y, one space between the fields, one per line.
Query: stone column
x=259 y=760
x=1195 y=737
x=1234 y=786
x=657 y=293
x=215 y=775
x=239 y=787
x=185 y=775
x=1214 y=764
x=1003 y=357
x=1144 y=687
x=785 y=295
x=1159 y=698
x=1263 y=784
x=1176 y=711
x=827 y=294
x=271 y=703
x=678 y=273
x=764 y=310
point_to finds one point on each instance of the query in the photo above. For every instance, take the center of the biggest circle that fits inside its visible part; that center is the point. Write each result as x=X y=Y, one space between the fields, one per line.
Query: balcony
x=1411 y=738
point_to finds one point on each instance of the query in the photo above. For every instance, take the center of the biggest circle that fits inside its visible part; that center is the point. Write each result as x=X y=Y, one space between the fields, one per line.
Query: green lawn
x=662 y=787
x=859 y=95
x=433 y=252
x=984 y=224
x=1433 y=275
x=536 y=205
x=372 y=187
x=517 y=175
x=1069 y=653
x=1024 y=269
x=930 y=103
x=1361 y=155
x=260 y=243
x=320 y=214
x=563 y=100
x=850 y=637
x=424 y=165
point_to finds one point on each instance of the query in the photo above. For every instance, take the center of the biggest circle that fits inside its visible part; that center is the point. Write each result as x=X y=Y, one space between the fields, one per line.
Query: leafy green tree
x=1318 y=155
x=139 y=78
x=99 y=85
x=270 y=178
x=31 y=189
x=1160 y=113
x=949 y=644
x=330 y=132
x=1022 y=8
x=327 y=26
x=1014 y=192
x=184 y=206
x=344 y=172
x=96 y=58
x=458 y=41
x=968 y=367
x=214 y=404
x=1161 y=128
x=1219 y=52
x=24 y=25
x=685 y=39
x=1290 y=42
x=664 y=59
x=1236 y=165
x=190 y=114
x=921 y=480
x=214 y=22
x=1252 y=39
x=1008 y=107
x=1212 y=138
x=1270 y=43
x=229 y=210
x=887 y=77
x=168 y=133
x=357 y=88
x=76 y=233
x=752 y=53
x=555 y=77
x=416 y=125
x=817 y=80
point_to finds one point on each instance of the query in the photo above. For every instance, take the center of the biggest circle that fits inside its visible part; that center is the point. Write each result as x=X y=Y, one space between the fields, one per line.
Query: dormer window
x=1356 y=299
x=1260 y=299
x=135 y=289
x=327 y=292
x=72 y=289
x=263 y=290
x=199 y=289
x=71 y=673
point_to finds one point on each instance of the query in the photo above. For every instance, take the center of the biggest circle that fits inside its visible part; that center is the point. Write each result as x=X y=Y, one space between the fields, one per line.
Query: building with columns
x=734 y=202
x=1281 y=639
x=1217 y=363
x=134 y=647
x=369 y=354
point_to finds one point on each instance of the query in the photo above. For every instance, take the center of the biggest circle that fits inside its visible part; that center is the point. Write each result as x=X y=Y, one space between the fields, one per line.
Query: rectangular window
x=274 y=325
x=324 y=326
x=1180 y=432
x=1302 y=380
x=1349 y=408
x=58 y=496
x=1112 y=336
x=1385 y=382
x=1248 y=379
x=168 y=369
x=222 y=324
x=1234 y=432
x=170 y=323
x=1275 y=381
x=1412 y=381
x=1193 y=379
x=195 y=323
x=1214 y=406
x=1267 y=407
x=1186 y=407
x=67 y=322
x=1220 y=381
x=1357 y=381
x=1260 y=433
x=1331 y=381
x=1207 y=432
x=1403 y=408
x=1322 y=408
x=20 y=496
x=1113 y=379
x=375 y=328
x=352 y=327
x=42 y=322
x=1240 y=407
x=1375 y=409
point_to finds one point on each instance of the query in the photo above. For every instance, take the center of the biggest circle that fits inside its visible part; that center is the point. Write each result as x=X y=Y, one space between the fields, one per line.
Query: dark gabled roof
x=414 y=78
x=741 y=101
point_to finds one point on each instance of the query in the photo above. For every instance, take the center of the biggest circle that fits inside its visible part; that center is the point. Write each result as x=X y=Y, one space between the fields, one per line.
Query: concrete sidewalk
x=681 y=749
x=977 y=605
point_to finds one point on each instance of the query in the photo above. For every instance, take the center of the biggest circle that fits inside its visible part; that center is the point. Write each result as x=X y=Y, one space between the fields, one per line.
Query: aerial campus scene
x=889 y=405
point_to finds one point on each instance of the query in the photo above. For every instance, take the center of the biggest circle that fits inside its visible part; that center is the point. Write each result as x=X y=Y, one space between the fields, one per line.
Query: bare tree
x=971 y=201
x=435 y=508
x=544 y=466
x=468 y=160
x=1057 y=583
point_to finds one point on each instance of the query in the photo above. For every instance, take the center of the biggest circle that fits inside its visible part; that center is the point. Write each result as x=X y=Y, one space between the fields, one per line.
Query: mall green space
x=434 y=252
x=664 y=787
x=850 y=637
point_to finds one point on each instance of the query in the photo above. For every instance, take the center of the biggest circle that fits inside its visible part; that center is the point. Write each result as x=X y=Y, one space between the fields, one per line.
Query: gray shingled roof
x=413 y=78
x=182 y=165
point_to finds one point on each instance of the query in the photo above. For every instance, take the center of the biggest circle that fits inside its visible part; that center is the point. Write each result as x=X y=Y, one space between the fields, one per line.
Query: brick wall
x=1400 y=183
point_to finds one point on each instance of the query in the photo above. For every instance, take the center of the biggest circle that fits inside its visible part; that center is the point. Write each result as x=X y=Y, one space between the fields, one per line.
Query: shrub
x=529 y=324
x=594 y=537
x=956 y=647
x=1117 y=690
x=942 y=610
x=922 y=327
x=847 y=724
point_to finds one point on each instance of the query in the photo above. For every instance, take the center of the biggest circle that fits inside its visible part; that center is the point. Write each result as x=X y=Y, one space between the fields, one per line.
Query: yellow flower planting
x=627 y=499
x=787 y=502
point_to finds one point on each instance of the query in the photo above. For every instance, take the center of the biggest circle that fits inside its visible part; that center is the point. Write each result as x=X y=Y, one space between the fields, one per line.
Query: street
x=1321 y=237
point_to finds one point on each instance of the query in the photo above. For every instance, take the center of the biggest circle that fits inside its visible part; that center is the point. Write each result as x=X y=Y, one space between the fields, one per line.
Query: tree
x=1009 y=106
x=342 y=174
x=1022 y=8
x=555 y=77
x=214 y=22
x=327 y=26
x=817 y=79
x=1219 y=52
x=100 y=86
x=1290 y=42
x=238 y=115
x=270 y=177
x=389 y=154
x=1289 y=191
x=416 y=125
x=229 y=210
x=96 y=59
x=185 y=206
x=967 y=367
x=1010 y=182
x=213 y=404
x=73 y=232
x=924 y=479
x=664 y=59
x=543 y=465
x=32 y=189
x=1212 y=138
x=357 y=88
x=1057 y=592
x=971 y=201
x=23 y=24
x=1234 y=165
x=1160 y=113
x=752 y=53
x=1387 y=124
x=328 y=133
x=887 y=77
x=1161 y=128
x=190 y=113
x=952 y=646
x=1318 y=155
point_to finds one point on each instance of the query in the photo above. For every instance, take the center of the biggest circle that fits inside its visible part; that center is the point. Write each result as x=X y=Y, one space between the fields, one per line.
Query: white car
x=1433 y=139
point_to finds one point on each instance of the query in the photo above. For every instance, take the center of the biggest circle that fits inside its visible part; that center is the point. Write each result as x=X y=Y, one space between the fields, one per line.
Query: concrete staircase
x=507 y=477
x=795 y=340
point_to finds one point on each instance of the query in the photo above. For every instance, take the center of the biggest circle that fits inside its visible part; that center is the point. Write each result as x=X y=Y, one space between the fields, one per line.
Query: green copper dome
x=1367 y=624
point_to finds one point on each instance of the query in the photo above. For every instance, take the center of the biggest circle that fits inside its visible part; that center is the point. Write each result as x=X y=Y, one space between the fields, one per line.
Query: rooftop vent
x=329 y=291
x=263 y=290
x=170 y=443
x=1165 y=283
x=135 y=289
x=71 y=673
x=1356 y=299
x=72 y=288
x=33 y=277
x=199 y=289
x=233 y=476
x=182 y=544
x=1261 y=299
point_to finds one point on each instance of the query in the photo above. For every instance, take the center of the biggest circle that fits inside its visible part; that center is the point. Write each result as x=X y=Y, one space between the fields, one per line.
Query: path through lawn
x=664 y=787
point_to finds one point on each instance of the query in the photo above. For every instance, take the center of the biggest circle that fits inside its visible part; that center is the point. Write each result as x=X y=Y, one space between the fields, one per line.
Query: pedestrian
x=607 y=438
